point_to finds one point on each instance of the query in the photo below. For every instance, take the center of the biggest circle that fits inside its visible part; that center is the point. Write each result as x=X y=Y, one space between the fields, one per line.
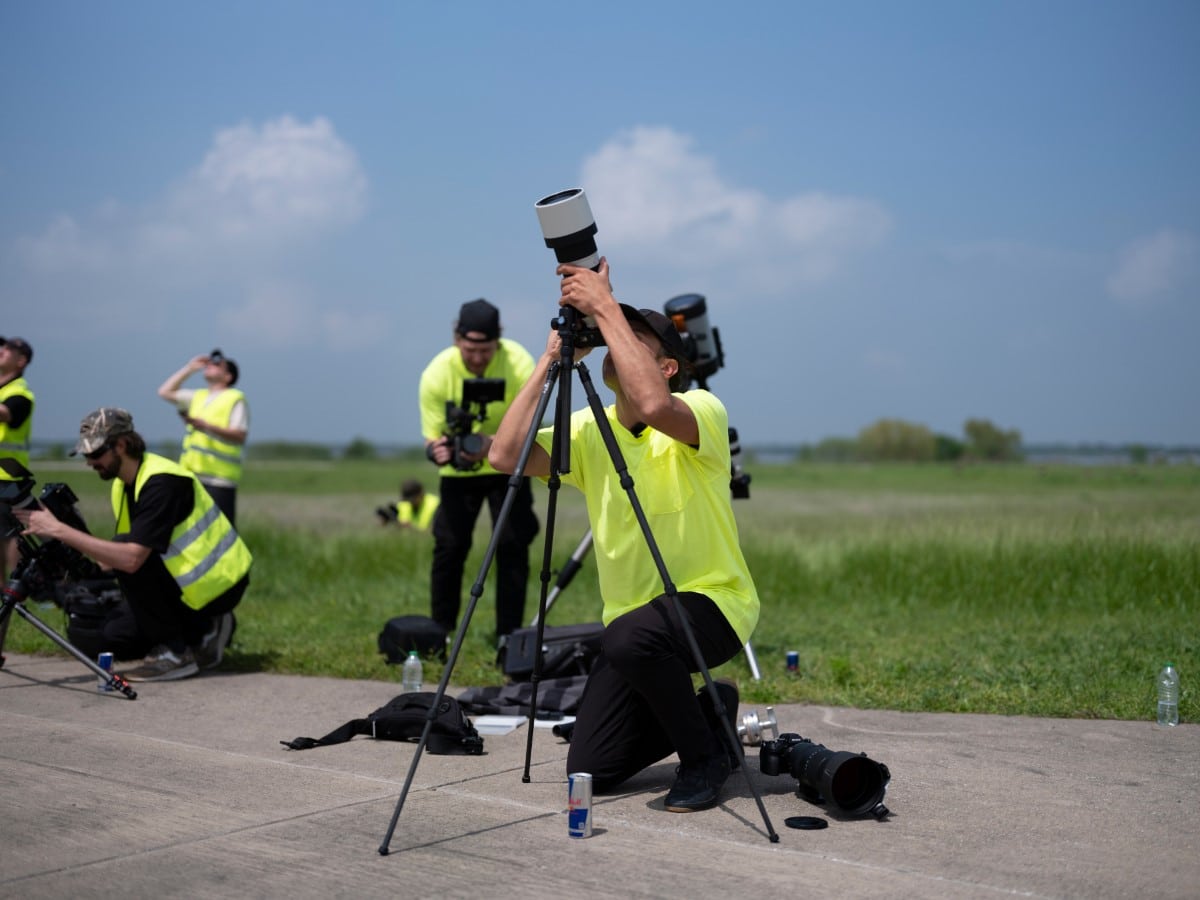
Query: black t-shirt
x=19 y=409
x=165 y=501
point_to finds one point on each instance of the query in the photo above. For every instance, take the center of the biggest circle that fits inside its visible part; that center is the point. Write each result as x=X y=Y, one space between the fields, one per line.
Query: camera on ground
x=850 y=782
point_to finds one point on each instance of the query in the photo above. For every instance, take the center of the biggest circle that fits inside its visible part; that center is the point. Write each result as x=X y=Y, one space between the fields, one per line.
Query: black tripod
x=560 y=373
x=16 y=591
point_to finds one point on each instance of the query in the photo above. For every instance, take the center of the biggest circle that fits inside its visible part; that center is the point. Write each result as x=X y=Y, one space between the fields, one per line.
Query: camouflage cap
x=100 y=426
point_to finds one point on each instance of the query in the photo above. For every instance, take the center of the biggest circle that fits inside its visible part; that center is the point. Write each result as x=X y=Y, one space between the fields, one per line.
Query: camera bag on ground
x=566 y=650
x=403 y=719
x=405 y=633
x=99 y=619
x=555 y=695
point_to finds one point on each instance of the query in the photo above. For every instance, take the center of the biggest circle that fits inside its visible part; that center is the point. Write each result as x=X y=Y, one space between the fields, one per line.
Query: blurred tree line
x=895 y=440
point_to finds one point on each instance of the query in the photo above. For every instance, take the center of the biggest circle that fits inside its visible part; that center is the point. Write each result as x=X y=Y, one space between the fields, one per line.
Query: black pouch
x=566 y=650
x=403 y=719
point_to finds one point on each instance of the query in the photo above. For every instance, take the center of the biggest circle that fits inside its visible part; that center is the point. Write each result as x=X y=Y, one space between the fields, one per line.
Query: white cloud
x=257 y=189
x=656 y=198
x=282 y=314
x=260 y=196
x=1153 y=266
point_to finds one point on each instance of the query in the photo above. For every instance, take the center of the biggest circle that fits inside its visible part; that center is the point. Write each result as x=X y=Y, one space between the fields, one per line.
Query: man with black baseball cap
x=466 y=479
x=639 y=705
x=16 y=420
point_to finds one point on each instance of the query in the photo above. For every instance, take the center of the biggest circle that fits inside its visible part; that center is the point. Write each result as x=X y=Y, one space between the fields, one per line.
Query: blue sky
x=931 y=211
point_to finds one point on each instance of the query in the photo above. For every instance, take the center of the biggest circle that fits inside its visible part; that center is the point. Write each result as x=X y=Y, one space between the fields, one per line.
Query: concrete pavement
x=186 y=791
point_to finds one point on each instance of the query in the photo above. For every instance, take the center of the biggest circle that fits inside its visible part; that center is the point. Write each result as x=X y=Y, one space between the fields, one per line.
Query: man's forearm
x=124 y=557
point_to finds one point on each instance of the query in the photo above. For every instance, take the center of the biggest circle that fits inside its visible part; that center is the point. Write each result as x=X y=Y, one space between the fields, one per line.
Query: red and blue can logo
x=579 y=805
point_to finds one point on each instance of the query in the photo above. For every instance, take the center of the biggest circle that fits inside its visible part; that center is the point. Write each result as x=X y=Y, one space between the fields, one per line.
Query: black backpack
x=404 y=633
x=403 y=719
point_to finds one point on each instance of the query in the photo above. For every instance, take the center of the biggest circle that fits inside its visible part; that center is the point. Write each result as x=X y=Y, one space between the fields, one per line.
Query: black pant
x=156 y=611
x=226 y=500
x=453 y=528
x=639 y=705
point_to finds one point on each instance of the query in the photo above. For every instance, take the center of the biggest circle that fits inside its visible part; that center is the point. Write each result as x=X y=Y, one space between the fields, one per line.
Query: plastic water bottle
x=410 y=678
x=1168 y=696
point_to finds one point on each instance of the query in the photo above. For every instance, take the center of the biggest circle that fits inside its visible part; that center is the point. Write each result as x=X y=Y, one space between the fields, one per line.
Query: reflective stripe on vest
x=204 y=453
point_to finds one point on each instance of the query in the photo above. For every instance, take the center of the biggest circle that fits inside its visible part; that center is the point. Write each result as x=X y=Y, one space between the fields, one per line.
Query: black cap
x=20 y=345
x=668 y=336
x=479 y=317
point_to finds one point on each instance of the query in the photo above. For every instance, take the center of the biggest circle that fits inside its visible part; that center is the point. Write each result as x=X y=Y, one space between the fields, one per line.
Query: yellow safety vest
x=421 y=521
x=14 y=442
x=206 y=557
x=206 y=454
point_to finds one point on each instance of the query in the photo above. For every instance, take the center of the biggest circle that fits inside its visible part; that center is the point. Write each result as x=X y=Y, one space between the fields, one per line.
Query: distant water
x=1036 y=454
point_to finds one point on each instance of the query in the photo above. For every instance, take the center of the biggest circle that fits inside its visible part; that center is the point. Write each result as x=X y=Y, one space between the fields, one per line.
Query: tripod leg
x=568 y=572
x=752 y=661
x=476 y=592
x=112 y=680
x=618 y=461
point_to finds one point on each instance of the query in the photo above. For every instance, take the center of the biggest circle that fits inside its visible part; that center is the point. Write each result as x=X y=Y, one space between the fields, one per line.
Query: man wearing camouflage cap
x=179 y=561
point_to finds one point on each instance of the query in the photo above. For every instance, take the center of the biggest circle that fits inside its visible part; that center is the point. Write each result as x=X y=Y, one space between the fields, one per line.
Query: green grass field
x=1020 y=590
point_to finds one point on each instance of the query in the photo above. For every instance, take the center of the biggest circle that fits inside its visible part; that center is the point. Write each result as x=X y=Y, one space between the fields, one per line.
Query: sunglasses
x=96 y=454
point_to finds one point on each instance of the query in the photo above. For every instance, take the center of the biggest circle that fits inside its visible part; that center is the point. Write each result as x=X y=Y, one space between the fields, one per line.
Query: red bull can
x=793 y=660
x=579 y=804
x=104 y=661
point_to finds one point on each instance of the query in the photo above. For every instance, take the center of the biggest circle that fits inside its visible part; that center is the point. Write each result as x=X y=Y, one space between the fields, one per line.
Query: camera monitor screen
x=482 y=391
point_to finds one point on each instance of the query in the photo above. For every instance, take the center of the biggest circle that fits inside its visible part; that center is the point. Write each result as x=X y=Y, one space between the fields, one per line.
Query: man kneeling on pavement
x=181 y=566
x=639 y=705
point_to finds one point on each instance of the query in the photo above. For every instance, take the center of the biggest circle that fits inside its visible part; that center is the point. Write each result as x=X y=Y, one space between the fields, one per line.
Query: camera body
x=459 y=425
x=461 y=419
x=775 y=757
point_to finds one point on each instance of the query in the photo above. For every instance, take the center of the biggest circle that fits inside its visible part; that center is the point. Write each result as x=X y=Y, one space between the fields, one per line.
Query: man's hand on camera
x=39 y=522
x=554 y=348
x=439 y=452
x=587 y=291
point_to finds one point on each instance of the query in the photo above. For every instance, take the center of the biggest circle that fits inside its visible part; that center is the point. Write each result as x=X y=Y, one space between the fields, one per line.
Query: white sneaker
x=163 y=664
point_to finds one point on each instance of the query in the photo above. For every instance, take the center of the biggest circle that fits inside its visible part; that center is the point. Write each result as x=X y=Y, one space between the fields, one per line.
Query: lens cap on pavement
x=806 y=823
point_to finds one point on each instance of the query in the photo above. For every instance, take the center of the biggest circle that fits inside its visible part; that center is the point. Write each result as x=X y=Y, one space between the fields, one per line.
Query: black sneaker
x=728 y=692
x=697 y=786
x=211 y=650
